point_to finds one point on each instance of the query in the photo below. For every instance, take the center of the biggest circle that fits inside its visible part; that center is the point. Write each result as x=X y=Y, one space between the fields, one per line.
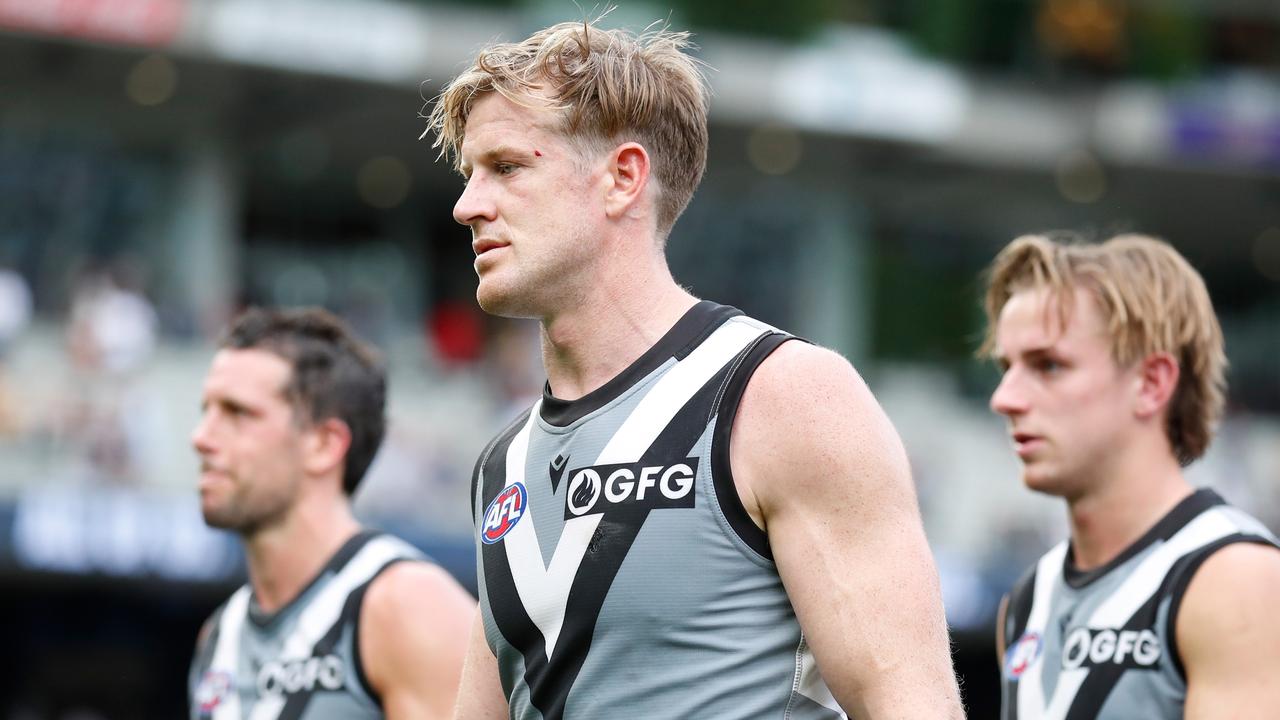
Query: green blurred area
x=1043 y=38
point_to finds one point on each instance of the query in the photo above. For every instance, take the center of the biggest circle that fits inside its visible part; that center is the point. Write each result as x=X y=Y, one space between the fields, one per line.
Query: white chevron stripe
x=1030 y=685
x=226 y=654
x=675 y=388
x=1141 y=584
x=1145 y=580
x=326 y=609
x=544 y=589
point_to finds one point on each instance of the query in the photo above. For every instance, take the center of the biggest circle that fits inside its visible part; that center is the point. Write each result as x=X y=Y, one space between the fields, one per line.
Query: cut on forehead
x=497 y=124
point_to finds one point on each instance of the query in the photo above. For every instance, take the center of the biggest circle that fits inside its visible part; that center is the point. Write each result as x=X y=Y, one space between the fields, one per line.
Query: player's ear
x=1157 y=379
x=325 y=446
x=628 y=176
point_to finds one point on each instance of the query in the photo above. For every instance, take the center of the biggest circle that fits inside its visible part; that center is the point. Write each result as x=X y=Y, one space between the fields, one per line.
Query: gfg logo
x=631 y=485
x=307 y=674
x=1087 y=647
x=503 y=513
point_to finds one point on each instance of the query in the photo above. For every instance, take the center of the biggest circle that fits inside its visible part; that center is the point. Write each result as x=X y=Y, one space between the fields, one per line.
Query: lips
x=210 y=474
x=484 y=245
x=1025 y=443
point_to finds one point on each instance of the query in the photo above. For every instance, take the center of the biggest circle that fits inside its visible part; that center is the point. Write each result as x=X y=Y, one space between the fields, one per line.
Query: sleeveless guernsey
x=1101 y=644
x=301 y=662
x=619 y=574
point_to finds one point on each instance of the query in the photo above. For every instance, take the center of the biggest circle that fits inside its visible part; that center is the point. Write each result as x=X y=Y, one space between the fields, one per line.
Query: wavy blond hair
x=1151 y=299
x=609 y=86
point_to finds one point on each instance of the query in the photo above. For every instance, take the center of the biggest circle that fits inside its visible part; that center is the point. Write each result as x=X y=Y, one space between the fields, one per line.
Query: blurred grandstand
x=166 y=162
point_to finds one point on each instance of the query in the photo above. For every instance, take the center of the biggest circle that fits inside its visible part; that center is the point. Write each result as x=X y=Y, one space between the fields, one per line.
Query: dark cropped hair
x=334 y=375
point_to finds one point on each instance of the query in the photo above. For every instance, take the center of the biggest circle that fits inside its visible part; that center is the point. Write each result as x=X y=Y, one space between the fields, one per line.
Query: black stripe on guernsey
x=508 y=433
x=1102 y=678
x=1181 y=573
x=297 y=703
x=1173 y=521
x=700 y=321
x=1018 y=611
x=355 y=633
x=726 y=409
x=507 y=609
x=550 y=681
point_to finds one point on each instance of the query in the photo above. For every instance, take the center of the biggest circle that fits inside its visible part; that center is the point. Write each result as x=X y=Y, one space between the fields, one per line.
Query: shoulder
x=414 y=617
x=409 y=587
x=1229 y=601
x=798 y=367
x=808 y=419
x=806 y=404
x=799 y=382
x=205 y=633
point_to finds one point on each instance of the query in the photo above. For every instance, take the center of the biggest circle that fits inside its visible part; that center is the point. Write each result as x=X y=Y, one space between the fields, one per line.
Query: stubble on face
x=249 y=461
x=252 y=506
x=540 y=210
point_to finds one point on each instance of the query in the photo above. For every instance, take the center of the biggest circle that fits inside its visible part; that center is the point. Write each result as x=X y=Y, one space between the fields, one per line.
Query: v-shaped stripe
x=226 y=654
x=1124 y=601
x=544 y=589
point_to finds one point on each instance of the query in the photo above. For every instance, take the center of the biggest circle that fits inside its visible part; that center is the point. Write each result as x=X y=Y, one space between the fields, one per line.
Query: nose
x=1009 y=398
x=201 y=437
x=474 y=205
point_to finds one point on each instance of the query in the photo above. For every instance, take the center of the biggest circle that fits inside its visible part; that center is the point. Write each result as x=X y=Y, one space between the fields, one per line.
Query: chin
x=215 y=519
x=1043 y=480
x=502 y=302
x=1035 y=477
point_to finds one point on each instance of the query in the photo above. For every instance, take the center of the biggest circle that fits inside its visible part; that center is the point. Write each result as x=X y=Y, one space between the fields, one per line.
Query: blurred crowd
x=101 y=396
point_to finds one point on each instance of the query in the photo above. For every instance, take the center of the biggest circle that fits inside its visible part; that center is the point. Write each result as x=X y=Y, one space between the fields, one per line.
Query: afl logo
x=1022 y=654
x=503 y=513
x=214 y=687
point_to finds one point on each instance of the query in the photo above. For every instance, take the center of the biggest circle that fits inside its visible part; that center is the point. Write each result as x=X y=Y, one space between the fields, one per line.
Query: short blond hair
x=1151 y=299
x=610 y=86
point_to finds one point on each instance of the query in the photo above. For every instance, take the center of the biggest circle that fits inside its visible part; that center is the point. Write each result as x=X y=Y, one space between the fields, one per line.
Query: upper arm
x=818 y=462
x=413 y=636
x=1228 y=634
x=481 y=696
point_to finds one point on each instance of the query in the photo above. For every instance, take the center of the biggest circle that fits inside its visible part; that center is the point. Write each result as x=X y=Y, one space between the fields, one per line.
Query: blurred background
x=164 y=163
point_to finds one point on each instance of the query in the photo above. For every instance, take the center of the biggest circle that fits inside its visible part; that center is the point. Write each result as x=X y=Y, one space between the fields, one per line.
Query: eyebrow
x=1034 y=353
x=493 y=153
x=229 y=403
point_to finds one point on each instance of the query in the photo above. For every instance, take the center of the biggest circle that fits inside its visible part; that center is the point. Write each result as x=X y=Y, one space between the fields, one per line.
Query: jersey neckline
x=688 y=332
x=264 y=619
x=1166 y=527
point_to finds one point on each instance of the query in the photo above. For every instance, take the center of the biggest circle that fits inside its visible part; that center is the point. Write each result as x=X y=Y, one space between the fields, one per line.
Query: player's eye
x=1048 y=366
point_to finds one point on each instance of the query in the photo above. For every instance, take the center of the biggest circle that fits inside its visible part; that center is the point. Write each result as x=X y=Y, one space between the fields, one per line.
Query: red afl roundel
x=503 y=513
x=1023 y=654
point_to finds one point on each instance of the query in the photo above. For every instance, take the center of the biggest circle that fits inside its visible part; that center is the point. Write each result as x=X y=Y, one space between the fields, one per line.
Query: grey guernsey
x=301 y=662
x=620 y=575
x=1101 y=644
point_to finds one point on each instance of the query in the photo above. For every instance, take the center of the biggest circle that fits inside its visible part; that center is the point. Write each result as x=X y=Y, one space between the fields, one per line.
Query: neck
x=628 y=309
x=1122 y=505
x=283 y=558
